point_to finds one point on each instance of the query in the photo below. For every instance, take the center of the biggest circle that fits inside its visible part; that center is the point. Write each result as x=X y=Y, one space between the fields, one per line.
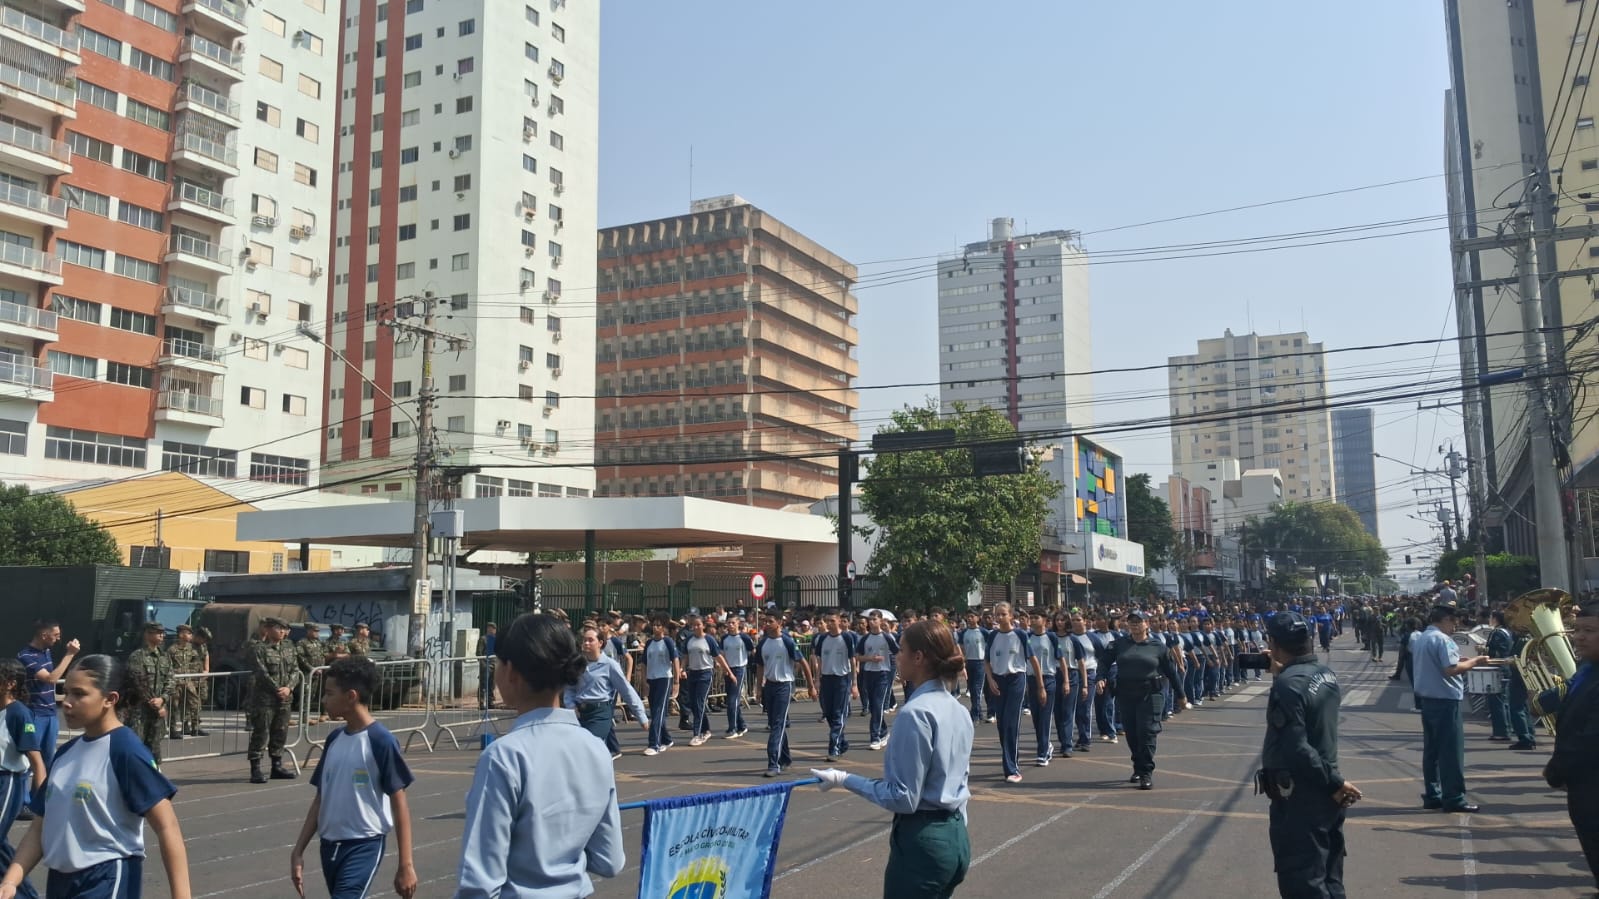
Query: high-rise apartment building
x=723 y=334
x=164 y=189
x=1520 y=135
x=1355 y=464
x=1256 y=398
x=468 y=162
x=1013 y=318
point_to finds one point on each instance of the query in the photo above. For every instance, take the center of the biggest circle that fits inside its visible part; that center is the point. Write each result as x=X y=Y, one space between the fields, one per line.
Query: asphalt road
x=1074 y=829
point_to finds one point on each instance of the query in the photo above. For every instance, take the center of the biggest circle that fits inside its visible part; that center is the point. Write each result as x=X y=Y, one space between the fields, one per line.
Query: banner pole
x=630 y=806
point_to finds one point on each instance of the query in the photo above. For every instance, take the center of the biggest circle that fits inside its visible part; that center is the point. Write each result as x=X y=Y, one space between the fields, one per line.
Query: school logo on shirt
x=703 y=878
x=27 y=728
x=83 y=793
x=362 y=778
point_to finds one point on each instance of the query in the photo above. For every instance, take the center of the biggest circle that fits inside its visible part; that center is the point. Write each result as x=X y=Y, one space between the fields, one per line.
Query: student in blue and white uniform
x=21 y=762
x=1068 y=684
x=360 y=784
x=593 y=697
x=833 y=656
x=777 y=657
x=973 y=641
x=1008 y=665
x=1045 y=652
x=662 y=671
x=541 y=815
x=614 y=648
x=737 y=647
x=702 y=655
x=877 y=671
x=926 y=771
x=102 y=789
x=1086 y=650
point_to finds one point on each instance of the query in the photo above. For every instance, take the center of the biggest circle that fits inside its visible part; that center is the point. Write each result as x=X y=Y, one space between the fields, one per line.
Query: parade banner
x=714 y=845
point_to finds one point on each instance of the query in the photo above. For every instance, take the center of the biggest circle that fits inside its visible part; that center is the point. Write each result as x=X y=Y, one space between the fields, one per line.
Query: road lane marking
x=1468 y=860
x=1150 y=853
x=1248 y=693
x=1357 y=698
x=1031 y=830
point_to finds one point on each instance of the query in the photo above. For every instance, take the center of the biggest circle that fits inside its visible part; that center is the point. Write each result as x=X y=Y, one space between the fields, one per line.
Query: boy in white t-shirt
x=360 y=782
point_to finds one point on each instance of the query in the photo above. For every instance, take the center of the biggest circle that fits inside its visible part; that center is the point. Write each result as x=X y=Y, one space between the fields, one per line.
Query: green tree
x=1509 y=575
x=1149 y=523
x=1319 y=538
x=940 y=530
x=44 y=529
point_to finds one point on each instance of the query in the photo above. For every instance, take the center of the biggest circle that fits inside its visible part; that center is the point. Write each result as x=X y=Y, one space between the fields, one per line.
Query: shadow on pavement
x=1483 y=883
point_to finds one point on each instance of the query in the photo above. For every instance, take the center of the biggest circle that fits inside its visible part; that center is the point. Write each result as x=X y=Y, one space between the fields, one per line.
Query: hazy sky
x=894 y=130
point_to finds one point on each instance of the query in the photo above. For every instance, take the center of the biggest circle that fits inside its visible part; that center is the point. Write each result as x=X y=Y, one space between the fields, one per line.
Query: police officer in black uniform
x=1300 y=765
x=1141 y=661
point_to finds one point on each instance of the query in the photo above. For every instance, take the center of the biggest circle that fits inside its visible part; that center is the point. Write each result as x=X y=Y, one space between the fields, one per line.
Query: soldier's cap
x=312 y=626
x=360 y=624
x=1287 y=627
x=203 y=632
x=272 y=621
x=185 y=627
x=497 y=627
x=154 y=627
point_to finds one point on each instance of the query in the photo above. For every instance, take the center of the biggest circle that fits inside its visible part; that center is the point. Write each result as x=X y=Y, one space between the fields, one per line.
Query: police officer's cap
x=1287 y=627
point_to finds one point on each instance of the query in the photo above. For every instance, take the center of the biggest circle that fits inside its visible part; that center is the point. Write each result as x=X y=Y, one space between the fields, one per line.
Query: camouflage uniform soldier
x=311 y=653
x=276 y=673
x=202 y=645
x=149 y=689
x=361 y=643
x=184 y=717
x=336 y=648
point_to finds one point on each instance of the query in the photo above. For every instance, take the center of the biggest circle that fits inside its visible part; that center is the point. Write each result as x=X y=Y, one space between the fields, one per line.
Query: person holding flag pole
x=926 y=769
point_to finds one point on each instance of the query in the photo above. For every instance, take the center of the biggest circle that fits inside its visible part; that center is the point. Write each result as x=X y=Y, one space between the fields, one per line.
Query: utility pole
x=1554 y=567
x=421 y=587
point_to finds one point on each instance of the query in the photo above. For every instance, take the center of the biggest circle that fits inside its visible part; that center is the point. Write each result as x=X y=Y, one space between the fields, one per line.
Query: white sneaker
x=652 y=752
x=1042 y=763
x=874 y=745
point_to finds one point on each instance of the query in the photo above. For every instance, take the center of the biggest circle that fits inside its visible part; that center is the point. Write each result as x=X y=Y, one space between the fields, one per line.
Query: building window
x=81 y=254
x=457 y=383
x=531 y=52
x=271 y=68
x=413 y=42
x=148 y=115
x=529 y=164
x=293 y=405
x=294 y=357
x=254 y=397
x=310 y=87
x=308 y=130
x=558 y=32
x=280 y=469
x=137 y=322
x=304 y=174
x=151 y=65
x=460 y=262
x=95 y=42
x=192 y=458
x=72 y=445
x=227 y=561
x=97 y=95
x=130 y=375
x=150 y=556
x=266 y=159
x=409 y=155
x=413 y=79
x=76 y=309
x=466 y=27
x=140 y=164
x=140 y=217
x=456 y=424
x=463 y=104
x=91 y=148
x=464 y=66
x=138 y=269
x=463 y=222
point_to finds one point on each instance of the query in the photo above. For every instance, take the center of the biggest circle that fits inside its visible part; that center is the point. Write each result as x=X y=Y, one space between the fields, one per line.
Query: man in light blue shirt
x=1437 y=668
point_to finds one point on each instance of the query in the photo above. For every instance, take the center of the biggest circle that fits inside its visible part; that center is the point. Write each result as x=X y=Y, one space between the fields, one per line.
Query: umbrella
x=887 y=615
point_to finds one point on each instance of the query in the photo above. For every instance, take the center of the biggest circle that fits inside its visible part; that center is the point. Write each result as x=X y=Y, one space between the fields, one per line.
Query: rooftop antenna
x=1249 y=315
x=691 y=176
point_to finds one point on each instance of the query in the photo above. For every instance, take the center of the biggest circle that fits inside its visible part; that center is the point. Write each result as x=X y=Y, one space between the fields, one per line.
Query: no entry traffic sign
x=757 y=586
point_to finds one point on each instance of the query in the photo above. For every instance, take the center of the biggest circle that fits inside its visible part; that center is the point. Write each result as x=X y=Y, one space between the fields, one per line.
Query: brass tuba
x=1546 y=662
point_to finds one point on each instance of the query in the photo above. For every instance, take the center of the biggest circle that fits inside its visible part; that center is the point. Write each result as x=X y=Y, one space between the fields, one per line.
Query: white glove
x=830 y=777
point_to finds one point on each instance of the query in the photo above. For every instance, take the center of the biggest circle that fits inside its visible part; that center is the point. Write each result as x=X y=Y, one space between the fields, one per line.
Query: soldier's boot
x=174 y=734
x=279 y=772
x=257 y=776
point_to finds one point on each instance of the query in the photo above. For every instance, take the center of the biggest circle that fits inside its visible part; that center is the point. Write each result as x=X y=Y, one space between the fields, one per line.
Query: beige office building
x=1256 y=398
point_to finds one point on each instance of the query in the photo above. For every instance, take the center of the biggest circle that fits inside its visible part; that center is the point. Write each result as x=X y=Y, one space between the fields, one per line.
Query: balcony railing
x=27 y=316
x=222 y=8
x=16 y=19
x=29 y=258
x=23 y=80
x=203 y=96
x=26 y=374
x=194 y=246
x=12 y=195
x=210 y=149
x=189 y=349
x=200 y=46
x=34 y=142
x=189 y=192
x=197 y=300
x=194 y=403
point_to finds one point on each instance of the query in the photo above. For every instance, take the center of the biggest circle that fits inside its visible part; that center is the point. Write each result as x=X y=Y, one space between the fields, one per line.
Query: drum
x=1483 y=680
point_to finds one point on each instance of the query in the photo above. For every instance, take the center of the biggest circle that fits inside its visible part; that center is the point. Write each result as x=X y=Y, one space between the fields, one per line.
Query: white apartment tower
x=1259 y=399
x=468 y=161
x=165 y=180
x=1013 y=318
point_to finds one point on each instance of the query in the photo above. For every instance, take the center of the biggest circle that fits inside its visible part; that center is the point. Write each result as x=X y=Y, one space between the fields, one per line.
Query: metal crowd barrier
x=218 y=704
x=403 y=703
x=463 y=698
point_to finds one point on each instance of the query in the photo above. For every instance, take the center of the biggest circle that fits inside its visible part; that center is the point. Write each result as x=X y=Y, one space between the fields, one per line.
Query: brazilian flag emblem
x=704 y=878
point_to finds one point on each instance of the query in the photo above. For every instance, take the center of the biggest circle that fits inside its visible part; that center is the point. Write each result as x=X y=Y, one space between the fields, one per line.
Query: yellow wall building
x=172 y=520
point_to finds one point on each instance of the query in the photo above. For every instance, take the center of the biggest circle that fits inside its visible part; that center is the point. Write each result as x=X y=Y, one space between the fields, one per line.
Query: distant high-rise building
x=723 y=334
x=165 y=203
x=469 y=159
x=1354 y=463
x=1013 y=318
x=1280 y=381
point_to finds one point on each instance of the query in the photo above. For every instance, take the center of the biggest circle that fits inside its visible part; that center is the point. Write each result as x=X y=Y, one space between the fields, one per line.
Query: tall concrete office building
x=165 y=191
x=1013 y=319
x=723 y=334
x=468 y=165
x=1255 y=398
x=1354 y=463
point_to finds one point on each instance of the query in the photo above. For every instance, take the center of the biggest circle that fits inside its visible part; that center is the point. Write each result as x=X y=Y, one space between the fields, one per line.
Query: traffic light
x=1006 y=458
x=1407 y=558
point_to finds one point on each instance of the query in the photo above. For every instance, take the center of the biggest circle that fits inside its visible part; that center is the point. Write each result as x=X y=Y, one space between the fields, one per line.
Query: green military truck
x=104 y=607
